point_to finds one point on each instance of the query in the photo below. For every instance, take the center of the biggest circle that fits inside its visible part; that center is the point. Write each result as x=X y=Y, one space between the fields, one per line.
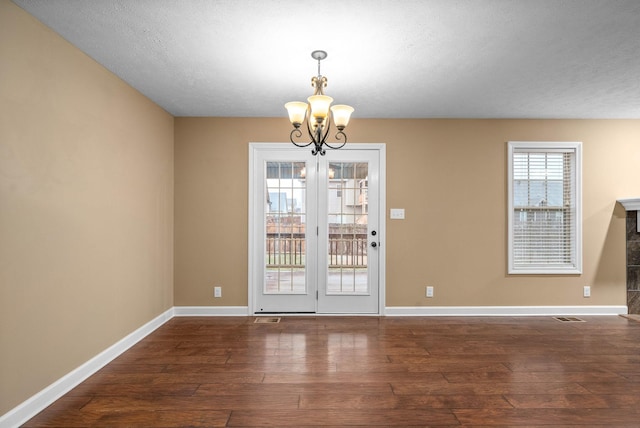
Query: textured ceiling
x=387 y=58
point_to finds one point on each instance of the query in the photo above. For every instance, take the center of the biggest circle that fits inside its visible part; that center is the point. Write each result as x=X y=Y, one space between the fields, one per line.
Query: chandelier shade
x=319 y=114
x=297 y=112
x=319 y=106
x=341 y=115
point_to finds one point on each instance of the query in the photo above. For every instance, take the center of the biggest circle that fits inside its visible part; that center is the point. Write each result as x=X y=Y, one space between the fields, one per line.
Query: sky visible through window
x=538 y=179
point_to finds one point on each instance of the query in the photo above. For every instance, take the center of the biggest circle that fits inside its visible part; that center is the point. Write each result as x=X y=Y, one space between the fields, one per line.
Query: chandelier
x=319 y=117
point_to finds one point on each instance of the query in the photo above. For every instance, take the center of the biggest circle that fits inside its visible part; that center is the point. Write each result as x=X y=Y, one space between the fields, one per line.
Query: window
x=545 y=225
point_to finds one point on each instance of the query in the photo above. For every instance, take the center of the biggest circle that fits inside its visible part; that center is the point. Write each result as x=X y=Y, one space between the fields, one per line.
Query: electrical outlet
x=586 y=292
x=217 y=291
x=429 y=291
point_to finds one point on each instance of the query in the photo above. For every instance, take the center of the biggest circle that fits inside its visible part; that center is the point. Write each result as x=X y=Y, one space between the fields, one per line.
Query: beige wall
x=86 y=208
x=449 y=175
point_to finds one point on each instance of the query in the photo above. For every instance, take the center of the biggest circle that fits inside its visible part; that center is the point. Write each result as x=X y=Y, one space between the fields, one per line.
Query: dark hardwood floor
x=367 y=371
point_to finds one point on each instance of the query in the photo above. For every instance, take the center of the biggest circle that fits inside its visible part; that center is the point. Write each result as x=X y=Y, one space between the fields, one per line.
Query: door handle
x=374 y=244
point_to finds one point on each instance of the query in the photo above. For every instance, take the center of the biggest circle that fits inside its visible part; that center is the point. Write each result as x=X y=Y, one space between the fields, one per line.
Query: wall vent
x=267 y=320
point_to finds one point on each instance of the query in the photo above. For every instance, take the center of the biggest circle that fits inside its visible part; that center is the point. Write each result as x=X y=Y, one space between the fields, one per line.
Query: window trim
x=546 y=147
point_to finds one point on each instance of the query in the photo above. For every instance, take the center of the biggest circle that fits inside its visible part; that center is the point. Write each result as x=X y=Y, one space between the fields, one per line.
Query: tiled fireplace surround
x=632 y=206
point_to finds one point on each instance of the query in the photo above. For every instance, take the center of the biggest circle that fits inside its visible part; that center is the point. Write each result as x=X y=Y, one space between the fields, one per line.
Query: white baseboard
x=211 y=311
x=38 y=402
x=494 y=311
x=34 y=405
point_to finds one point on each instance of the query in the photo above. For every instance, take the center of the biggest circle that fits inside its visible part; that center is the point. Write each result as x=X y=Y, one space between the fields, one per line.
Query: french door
x=314 y=230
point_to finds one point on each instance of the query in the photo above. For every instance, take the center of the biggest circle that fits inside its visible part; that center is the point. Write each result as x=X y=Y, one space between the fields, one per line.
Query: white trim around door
x=257 y=153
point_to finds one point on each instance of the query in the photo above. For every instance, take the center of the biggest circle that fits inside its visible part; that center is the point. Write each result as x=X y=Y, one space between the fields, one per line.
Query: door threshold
x=319 y=314
x=284 y=313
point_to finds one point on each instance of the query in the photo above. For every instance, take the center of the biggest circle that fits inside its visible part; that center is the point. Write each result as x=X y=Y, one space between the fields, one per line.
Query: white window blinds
x=544 y=207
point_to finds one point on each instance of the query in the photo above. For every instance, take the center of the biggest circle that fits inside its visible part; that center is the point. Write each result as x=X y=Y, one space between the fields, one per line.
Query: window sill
x=545 y=271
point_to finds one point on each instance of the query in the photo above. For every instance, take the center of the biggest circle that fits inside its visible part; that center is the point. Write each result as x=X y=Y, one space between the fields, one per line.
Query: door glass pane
x=285 y=221
x=347 y=227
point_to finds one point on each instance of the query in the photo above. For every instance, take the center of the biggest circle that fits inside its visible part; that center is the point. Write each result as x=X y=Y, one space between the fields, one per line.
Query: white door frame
x=254 y=276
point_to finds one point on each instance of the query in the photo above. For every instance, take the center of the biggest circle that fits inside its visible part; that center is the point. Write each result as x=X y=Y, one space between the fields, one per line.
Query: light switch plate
x=397 y=214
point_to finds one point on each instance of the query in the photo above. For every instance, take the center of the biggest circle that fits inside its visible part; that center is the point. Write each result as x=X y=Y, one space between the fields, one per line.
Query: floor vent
x=568 y=319
x=267 y=320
